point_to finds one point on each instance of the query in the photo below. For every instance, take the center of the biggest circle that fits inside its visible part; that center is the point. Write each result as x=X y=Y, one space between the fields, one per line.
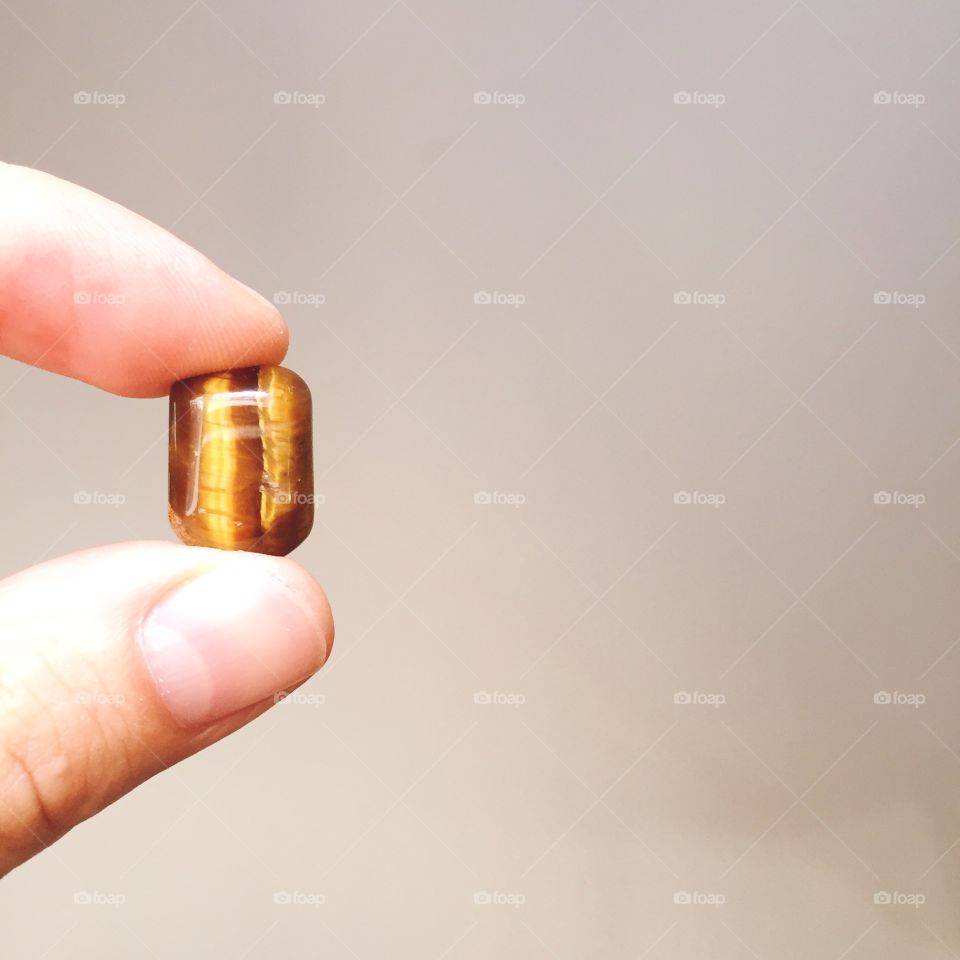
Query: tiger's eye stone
x=241 y=460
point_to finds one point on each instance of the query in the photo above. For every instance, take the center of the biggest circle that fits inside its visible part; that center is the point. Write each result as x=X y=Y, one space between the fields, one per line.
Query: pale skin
x=89 y=708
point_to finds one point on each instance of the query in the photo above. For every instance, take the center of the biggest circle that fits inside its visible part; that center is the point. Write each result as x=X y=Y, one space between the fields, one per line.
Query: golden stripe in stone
x=286 y=431
x=230 y=454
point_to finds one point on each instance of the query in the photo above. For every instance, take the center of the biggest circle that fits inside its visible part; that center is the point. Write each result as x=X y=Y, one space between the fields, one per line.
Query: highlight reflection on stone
x=241 y=460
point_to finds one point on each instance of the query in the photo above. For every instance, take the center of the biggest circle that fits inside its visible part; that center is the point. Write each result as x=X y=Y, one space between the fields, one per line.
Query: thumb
x=117 y=662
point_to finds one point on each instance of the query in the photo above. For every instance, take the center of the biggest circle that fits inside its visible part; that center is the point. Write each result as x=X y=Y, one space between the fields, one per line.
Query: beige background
x=783 y=800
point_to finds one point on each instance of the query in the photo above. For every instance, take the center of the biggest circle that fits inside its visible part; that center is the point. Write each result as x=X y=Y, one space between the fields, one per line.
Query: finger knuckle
x=51 y=744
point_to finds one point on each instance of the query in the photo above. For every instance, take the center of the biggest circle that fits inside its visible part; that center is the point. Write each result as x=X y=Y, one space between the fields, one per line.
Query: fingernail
x=226 y=640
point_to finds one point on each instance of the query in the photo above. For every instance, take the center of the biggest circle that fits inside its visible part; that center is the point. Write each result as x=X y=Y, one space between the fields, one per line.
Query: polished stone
x=241 y=460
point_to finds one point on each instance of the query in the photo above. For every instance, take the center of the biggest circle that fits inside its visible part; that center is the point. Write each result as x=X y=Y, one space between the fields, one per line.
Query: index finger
x=91 y=290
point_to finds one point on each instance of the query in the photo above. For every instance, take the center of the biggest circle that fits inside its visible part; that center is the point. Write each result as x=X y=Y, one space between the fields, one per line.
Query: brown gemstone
x=241 y=460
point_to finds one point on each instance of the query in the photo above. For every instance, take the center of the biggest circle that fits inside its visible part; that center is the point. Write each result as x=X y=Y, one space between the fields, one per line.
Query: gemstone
x=241 y=460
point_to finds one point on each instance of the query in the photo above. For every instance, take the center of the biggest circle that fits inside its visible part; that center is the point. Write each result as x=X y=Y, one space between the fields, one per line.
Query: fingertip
x=94 y=291
x=309 y=594
x=246 y=627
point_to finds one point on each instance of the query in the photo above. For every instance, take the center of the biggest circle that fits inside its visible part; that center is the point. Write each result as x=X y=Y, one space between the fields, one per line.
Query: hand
x=117 y=662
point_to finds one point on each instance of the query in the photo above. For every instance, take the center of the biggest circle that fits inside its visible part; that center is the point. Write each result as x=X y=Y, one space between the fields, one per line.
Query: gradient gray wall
x=745 y=301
